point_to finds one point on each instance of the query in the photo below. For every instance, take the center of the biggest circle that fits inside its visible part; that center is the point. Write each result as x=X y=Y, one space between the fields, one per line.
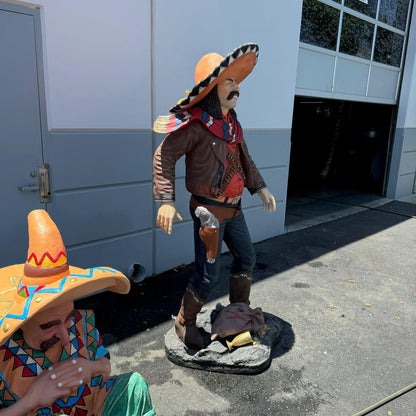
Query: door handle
x=29 y=188
x=43 y=185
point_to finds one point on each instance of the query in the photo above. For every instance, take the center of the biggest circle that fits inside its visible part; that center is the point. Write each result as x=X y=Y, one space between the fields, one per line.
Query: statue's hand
x=165 y=216
x=269 y=203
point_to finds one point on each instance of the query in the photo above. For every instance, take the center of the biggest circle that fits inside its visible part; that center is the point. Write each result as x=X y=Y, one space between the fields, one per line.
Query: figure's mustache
x=45 y=345
x=232 y=93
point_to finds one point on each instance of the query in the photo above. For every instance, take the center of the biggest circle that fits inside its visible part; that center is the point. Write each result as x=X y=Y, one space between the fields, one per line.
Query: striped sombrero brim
x=238 y=64
x=19 y=303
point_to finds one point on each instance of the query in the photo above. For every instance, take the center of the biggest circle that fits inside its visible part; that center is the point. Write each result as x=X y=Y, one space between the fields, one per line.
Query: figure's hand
x=269 y=203
x=58 y=381
x=45 y=390
x=165 y=216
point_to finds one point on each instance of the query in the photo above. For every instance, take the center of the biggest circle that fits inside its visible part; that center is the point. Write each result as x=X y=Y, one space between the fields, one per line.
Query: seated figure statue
x=52 y=359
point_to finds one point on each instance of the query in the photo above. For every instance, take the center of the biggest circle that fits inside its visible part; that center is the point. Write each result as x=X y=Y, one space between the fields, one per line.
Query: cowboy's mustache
x=232 y=93
x=45 y=345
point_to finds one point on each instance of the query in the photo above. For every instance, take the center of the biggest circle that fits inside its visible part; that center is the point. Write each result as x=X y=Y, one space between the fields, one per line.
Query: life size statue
x=204 y=127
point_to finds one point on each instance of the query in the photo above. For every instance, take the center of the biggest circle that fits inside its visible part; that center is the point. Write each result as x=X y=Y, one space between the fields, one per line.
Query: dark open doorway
x=339 y=152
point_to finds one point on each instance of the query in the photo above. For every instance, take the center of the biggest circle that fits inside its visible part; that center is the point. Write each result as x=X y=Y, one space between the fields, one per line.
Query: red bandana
x=230 y=131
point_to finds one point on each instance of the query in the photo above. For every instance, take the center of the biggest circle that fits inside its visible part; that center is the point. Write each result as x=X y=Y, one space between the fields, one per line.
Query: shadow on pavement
x=155 y=300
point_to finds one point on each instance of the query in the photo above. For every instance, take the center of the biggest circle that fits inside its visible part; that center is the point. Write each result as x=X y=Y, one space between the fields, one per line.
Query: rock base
x=248 y=359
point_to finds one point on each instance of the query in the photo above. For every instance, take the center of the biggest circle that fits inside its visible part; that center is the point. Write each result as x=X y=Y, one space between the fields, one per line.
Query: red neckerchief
x=226 y=129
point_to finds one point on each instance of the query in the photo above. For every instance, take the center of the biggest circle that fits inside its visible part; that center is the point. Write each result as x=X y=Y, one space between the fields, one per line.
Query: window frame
x=344 y=9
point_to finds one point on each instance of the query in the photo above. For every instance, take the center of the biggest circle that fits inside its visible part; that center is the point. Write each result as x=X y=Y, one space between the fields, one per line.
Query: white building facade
x=86 y=80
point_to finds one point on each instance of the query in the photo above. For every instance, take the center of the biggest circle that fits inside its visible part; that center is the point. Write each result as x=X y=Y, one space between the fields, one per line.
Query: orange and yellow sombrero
x=212 y=68
x=46 y=279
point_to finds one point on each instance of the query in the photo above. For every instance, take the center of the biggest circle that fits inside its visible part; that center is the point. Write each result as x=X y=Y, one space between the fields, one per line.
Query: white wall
x=410 y=119
x=97 y=58
x=402 y=178
x=185 y=30
x=407 y=104
x=97 y=63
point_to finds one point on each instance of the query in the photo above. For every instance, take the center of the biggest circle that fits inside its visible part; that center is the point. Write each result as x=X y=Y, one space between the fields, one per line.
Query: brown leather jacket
x=205 y=164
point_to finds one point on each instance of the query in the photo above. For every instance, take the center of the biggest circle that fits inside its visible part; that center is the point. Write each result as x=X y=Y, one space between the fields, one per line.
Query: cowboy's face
x=49 y=327
x=228 y=92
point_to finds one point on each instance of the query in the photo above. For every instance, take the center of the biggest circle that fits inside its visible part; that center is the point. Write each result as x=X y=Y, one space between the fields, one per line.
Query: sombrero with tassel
x=46 y=279
x=213 y=68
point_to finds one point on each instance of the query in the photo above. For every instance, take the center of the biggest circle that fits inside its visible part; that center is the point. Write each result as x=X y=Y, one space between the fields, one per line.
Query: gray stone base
x=248 y=359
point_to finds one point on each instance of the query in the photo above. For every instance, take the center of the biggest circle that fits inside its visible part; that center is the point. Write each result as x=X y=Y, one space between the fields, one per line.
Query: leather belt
x=221 y=212
x=227 y=200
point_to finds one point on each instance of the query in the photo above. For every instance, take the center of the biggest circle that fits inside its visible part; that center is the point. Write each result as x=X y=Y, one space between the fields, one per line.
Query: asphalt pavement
x=345 y=291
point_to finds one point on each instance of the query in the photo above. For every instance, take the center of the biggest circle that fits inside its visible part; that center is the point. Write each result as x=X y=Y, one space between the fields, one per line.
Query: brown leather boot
x=185 y=322
x=240 y=284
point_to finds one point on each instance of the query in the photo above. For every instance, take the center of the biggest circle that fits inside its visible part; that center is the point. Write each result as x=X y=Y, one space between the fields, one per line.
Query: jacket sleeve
x=254 y=180
x=166 y=155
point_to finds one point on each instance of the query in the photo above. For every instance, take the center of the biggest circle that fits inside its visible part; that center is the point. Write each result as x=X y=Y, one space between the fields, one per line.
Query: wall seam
x=152 y=112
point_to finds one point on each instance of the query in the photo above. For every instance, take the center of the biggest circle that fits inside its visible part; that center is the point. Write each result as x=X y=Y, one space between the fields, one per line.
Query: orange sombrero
x=213 y=68
x=46 y=279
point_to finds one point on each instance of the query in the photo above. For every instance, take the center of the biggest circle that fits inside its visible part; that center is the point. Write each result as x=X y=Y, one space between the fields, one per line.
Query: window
x=394 y=13
x=356 y=37
x=319 y=24
x=320 y=27
x=369 y=8
x=388 y=47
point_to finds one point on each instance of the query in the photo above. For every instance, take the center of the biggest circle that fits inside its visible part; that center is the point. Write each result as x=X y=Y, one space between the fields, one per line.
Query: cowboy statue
x=204 y=127
x=52 y=359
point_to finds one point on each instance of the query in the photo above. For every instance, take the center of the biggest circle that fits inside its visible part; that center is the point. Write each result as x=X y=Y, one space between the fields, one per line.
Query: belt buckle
x=236 y=200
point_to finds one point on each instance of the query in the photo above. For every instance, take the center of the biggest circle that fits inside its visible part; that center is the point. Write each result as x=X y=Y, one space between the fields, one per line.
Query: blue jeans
x=234 y=233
